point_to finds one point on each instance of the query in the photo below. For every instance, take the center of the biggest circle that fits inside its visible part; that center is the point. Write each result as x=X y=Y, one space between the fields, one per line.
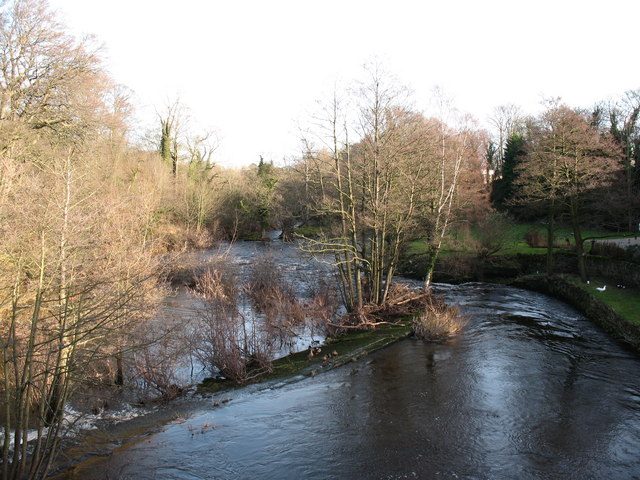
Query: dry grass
x=438 y=321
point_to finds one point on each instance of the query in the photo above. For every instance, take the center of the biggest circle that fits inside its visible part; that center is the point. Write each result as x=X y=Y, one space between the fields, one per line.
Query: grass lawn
x=625 y=301
x=309 y=230
x=515 y=239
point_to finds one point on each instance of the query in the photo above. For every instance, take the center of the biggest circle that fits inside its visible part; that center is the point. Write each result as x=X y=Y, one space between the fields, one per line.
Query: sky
x=254 y=70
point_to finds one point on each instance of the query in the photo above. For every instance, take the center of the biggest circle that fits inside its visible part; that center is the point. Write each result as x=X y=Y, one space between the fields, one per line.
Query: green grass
x=624 y=301
x=309 y=231
x=416 y=247
x=515 y=239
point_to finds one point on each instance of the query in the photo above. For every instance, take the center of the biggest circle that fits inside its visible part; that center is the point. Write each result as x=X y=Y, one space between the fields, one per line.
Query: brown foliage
x=535 y=239
x=610 y=250
x=437 y=321
x=243 y=322
x=230 y=340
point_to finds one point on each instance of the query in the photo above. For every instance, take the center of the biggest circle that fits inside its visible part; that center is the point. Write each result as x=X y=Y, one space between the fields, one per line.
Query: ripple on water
x=530 y=390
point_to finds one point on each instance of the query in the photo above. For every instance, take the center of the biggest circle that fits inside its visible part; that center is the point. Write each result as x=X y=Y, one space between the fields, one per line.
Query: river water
x=529 y=390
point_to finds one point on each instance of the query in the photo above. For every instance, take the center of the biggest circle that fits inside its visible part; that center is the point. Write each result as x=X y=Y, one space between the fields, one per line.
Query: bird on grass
x=602 y=288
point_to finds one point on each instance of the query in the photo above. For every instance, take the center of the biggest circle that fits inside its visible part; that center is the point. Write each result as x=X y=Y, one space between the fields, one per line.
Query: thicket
x=86 y=216
x=245 y=320
x=379 y=173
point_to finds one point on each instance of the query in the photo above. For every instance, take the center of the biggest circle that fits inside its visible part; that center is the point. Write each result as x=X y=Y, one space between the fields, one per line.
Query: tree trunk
x=577 y=236
x=550 y=239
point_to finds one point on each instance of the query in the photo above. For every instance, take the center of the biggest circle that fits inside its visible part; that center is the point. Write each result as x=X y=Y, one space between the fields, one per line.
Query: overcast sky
x=252 y=70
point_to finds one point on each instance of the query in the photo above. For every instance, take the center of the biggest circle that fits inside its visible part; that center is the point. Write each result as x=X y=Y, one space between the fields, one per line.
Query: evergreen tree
x=266 y=188
x=503 y=188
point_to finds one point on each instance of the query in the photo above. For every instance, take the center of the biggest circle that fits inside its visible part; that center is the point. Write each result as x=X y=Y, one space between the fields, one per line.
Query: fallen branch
x=404 y=300
x=360 y=325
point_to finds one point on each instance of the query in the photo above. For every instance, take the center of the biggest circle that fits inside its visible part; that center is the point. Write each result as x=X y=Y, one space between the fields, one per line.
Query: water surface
x=529 y=390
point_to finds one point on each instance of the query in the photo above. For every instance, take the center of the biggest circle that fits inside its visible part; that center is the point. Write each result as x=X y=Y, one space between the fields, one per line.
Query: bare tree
x=199 y=198
x=570 y=164
x=454 y=150
x=47 y=79
x=76 y=267
x=624 y=118
x=170 y=125
x=362 y=189
x=401 y=174
x=67 y=294
x=506 y=121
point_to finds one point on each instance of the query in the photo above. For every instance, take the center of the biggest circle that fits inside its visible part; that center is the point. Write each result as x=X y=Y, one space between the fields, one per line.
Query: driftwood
x=408 y=298
x=359 y=326
x=401 y=302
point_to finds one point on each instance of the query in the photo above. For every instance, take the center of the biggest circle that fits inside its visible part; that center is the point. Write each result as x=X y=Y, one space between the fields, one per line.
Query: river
x=529 y=390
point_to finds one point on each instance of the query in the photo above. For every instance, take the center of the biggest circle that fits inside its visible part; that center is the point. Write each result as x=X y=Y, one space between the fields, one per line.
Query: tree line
x=89 y=221
x=570 y=165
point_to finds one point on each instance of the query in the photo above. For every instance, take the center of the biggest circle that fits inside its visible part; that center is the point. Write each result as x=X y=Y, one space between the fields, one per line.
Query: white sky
x=253 y=69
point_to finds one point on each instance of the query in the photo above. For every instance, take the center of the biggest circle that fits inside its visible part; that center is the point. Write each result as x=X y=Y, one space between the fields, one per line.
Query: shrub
x=456 y=265
x=275 y=299
x=438 y=321
x=492 y=232
x=535 y=239
x=242 y=323
x=610 y=250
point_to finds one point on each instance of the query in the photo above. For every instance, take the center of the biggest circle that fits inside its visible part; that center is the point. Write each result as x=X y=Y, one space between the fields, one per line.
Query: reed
x=438 y=321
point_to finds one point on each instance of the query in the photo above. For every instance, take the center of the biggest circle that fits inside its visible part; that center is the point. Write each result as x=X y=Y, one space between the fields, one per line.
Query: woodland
x=94 y=216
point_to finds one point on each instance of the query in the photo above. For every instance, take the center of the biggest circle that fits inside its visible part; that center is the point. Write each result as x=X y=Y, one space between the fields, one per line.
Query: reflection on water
x=301 y=272
x=529 y=390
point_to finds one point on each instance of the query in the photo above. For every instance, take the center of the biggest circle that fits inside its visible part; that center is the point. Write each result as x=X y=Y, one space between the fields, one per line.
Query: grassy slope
x=624 y=301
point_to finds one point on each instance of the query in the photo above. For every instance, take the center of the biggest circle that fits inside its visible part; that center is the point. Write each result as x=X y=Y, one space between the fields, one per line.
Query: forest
x=94 y=217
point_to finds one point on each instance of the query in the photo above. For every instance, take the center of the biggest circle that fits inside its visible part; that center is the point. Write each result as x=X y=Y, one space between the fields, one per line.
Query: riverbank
x=618 y=313
x=584 y=299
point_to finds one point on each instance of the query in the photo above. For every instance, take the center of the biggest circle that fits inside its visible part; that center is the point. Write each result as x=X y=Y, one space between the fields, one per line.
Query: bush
x=610 y=250
x=455 y=266
x=438 y=321
x=224 y=339
x=535 y=239
x=242 y=323
x=492 y=232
